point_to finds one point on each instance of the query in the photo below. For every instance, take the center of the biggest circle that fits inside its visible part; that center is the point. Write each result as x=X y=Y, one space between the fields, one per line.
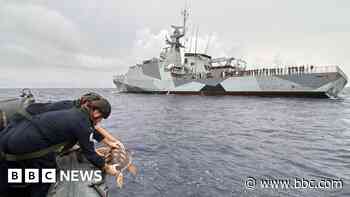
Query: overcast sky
x=83 y=43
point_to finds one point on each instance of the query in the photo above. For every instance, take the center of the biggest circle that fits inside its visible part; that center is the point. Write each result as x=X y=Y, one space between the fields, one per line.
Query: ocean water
x=215 y=145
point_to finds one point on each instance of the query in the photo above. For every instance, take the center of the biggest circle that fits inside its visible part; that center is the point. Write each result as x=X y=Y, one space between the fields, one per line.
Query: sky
x=83 y=43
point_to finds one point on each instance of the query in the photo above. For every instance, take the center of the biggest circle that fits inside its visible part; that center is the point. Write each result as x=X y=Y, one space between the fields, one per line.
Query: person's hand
x=116 y=144
x=99 y=153
x=109 y=169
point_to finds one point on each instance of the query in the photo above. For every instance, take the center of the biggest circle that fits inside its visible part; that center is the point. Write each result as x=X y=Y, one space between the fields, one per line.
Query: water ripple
x=208 y=146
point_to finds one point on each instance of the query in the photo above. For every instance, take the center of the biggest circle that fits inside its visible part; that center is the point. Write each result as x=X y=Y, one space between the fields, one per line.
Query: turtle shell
x=117 y=157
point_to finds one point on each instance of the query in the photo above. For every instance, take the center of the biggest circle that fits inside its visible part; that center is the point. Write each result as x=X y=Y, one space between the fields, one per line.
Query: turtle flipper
x=120 y=180
x=132 y=169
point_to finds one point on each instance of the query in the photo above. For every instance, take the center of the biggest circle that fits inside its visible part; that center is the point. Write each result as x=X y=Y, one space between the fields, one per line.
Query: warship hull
x=175 y=72
x=314 y=84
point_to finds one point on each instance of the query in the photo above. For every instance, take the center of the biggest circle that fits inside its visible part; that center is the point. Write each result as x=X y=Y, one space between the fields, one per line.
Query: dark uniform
x=44 y=130
x=39 y=108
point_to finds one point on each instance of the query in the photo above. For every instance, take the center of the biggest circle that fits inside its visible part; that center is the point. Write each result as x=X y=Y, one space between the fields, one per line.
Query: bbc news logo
x=49 y=175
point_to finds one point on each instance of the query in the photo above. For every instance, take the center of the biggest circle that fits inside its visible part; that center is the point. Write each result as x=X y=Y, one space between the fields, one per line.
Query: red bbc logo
x=31 y=175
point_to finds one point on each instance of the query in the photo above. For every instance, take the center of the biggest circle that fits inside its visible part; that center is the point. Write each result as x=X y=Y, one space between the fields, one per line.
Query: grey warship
x=175 y=72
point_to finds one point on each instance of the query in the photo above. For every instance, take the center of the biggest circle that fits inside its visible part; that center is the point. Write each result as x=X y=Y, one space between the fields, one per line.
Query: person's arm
x=38 y=108
x=107 y=141
x=112 y=144
x=107 y=138
x=84 y=138
x=106 y=134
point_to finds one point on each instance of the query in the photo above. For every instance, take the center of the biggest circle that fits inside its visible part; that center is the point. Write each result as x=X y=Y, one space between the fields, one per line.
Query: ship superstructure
x=199 y=73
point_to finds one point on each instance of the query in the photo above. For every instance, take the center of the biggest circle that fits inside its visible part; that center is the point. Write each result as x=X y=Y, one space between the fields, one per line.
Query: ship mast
x=172 y=54
x=185 y=14
x=179 y=32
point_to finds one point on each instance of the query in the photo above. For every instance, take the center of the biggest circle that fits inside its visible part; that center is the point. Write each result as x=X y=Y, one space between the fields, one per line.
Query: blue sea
x=226 y=145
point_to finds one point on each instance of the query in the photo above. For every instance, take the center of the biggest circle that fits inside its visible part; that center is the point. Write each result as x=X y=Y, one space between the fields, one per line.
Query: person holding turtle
x=44 y=129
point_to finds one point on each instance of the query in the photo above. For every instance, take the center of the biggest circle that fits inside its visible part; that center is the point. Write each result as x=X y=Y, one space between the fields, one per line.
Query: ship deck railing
x=288 y=70
x=270 y=71
x=119 y=77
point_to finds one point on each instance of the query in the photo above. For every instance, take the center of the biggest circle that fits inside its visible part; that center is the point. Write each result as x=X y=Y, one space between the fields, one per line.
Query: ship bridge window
x=192 y=63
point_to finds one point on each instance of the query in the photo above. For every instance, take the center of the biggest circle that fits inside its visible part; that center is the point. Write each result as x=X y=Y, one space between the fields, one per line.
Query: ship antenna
x=185 y=14
x=189 y=44
x=192 y=37
x=195 y=48
x=206 y=48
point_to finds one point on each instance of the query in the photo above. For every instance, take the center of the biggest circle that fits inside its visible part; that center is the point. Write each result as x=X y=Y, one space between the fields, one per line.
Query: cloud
x=83 y=38
x=40 y=24
x=37 y=37
x=99 y=63
x=148 y=44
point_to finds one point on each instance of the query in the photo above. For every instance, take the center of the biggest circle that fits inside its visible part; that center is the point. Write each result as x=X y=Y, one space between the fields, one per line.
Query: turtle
x=120 y=159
